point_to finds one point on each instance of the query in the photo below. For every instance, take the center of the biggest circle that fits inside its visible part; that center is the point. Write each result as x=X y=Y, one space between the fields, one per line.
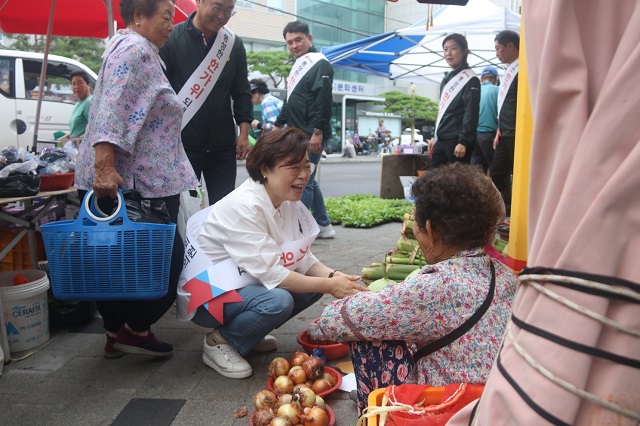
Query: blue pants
x=261 y=311
x=380 y=364
x=312 y=196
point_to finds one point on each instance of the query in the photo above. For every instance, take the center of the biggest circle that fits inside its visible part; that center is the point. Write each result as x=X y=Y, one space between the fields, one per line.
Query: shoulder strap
x=466 y=326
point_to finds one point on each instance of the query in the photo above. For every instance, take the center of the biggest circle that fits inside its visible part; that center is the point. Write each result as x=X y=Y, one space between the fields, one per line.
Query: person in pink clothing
x=133 y=141
x=457 y=209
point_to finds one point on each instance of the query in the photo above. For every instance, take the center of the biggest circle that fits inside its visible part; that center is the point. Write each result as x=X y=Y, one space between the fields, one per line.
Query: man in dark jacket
x=507 y=45
x=308 y=107
x=210 y=136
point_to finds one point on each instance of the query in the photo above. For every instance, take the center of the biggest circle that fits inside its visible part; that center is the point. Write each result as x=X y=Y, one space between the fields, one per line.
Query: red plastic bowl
x=335 y=373
x=330 y=414
x=332 y=351
x=56 y=182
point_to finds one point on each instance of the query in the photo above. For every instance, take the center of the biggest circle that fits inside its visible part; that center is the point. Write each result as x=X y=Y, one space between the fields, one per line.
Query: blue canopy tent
x=415 y=52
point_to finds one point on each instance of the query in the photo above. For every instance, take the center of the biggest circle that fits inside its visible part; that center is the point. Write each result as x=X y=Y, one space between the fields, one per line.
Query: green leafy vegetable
x=366 y=210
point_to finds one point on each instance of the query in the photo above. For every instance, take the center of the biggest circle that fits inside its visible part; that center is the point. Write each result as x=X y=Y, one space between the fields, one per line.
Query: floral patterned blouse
x=135 y=108
x=428 y=306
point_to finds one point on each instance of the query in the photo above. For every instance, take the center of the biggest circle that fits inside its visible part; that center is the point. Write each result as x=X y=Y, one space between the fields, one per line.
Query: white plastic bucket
x=25 y=309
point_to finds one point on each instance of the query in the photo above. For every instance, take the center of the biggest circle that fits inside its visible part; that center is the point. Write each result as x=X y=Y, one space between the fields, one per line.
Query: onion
x=321 y=386
x=289 y=411
x=278 y=367
x=280 y=421
x=320 y=402
x=298 y=358
x=316 y=417
x=302 y=385
x=304 y=397
x=282 y=384
x=285 y=398
x=265 y=399
x=297 y=375
x=262 y=417
x=313 y=367
x=329 y=378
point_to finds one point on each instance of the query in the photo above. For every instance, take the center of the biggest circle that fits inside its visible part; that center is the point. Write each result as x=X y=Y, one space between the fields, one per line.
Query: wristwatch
x=317 y=131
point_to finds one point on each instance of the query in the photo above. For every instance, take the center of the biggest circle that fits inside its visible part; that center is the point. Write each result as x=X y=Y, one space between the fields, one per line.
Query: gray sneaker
x=223 y=358
x=326 y=232
x=268 y=344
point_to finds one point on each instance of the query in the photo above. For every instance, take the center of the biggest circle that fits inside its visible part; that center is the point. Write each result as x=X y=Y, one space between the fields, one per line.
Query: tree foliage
x=85 y=50
x=274 y=63
x=411 y=108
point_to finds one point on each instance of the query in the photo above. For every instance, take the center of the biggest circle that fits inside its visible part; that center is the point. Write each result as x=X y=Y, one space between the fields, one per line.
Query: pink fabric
x=583 y=60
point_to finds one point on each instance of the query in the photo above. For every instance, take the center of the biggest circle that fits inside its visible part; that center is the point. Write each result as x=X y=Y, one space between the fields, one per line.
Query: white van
x=19 y=80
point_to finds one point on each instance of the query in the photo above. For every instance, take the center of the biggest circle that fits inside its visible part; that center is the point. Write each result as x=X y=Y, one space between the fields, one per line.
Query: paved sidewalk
x=67 y=381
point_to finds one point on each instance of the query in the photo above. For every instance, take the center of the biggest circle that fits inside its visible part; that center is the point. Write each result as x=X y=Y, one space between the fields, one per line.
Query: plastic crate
x=431 y=395
x=108 y=257
x=19 y=257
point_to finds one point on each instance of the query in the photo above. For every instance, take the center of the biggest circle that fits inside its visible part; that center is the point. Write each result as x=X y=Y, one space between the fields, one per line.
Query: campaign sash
x=508 y=77
x=301 y=67
x=199 y=85
x=449 y=93
x=203 y=283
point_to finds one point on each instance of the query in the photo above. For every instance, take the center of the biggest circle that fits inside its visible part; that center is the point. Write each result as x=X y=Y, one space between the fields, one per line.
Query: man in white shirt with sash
x=206 y=64
x=507 y=45
x=308 y=107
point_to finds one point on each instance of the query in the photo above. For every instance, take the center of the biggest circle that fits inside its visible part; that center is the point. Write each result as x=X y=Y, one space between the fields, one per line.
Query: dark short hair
x=461 y=202
x=146 y=7
x=508 y=36
x=295 y=27
x=258 y=85
x=289 y=145
x=459 y=39
x=83 y=74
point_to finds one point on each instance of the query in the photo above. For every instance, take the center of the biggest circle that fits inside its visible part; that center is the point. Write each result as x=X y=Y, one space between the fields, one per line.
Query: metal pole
x=110 y=18
x=43 y=75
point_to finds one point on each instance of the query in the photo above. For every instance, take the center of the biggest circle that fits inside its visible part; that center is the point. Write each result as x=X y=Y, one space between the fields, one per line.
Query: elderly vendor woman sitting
x=456 y=212
x=263 y=232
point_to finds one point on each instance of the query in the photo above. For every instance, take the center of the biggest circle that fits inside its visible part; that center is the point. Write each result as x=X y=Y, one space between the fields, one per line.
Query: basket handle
x=87 y=214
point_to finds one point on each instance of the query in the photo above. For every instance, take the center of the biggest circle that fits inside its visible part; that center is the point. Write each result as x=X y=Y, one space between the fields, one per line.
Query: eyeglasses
x=296 y=169
x=218 y=10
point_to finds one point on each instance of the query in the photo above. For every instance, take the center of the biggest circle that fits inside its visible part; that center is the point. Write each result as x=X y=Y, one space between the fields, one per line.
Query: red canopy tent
x=76 y=18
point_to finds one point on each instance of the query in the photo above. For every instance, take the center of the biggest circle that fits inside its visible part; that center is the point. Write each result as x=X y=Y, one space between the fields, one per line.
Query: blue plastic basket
x=108 y=258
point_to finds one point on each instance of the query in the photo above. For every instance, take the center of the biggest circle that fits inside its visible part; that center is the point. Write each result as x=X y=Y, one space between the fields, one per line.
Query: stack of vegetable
x=400 y=263
x=295 y=397
x=365 y=210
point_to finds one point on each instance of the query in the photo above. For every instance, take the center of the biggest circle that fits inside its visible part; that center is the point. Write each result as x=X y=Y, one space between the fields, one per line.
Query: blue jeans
x=312 y=196
x=261 y=311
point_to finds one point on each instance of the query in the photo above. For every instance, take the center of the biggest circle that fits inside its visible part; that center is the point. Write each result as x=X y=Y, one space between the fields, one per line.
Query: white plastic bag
x=189 y=205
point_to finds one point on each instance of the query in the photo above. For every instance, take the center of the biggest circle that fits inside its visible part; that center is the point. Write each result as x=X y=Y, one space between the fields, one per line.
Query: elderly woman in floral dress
x=133 y=141
x=457 y=210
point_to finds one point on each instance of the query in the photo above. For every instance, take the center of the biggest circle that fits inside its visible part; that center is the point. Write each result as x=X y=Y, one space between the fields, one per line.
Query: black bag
x=19 y=185
x=149 y=210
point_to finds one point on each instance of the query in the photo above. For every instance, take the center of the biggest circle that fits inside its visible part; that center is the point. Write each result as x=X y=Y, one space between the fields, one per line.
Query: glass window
x=57 y=86
x=7 y=75
x=245 y=4
x=275 y=6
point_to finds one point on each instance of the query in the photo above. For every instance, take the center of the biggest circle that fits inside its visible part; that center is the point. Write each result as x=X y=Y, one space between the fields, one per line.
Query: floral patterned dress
x=135 y=109
x=386 y=328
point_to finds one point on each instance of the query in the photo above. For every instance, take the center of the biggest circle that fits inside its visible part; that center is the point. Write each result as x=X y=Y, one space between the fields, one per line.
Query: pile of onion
x=294 y=400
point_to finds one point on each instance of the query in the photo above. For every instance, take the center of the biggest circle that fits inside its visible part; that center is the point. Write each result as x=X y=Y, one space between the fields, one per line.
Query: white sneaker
x=268 y=344
x=324 y=154
x=326 y=232
x=223 y=358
